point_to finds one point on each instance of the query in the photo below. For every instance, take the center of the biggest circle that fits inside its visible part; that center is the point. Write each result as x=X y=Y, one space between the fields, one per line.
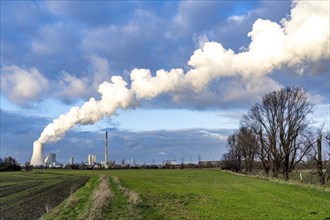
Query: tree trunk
x=276 y=168
x=286 y=175
x=266 y=170
x=319 y=161
x=275 y=175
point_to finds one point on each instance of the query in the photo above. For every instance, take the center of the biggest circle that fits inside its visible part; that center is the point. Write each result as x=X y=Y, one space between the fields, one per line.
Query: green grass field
x=187 y=194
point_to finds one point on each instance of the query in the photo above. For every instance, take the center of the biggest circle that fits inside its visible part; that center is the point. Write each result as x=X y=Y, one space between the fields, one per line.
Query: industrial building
x=91 y=159
x=50 y=159
x=169 y=162
x=71 y=160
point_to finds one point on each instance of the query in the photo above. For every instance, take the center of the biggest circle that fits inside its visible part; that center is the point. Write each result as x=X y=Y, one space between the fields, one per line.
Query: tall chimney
x=106 y=148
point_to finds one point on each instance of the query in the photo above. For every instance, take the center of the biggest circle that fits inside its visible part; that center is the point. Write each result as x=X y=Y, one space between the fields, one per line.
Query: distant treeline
x=82 y=166
x=9 y=164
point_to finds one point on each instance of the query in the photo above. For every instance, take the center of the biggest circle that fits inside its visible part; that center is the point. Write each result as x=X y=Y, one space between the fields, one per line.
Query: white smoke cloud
x=23 y=85
x=114 y=95
x=302 y=37
x=144 y=85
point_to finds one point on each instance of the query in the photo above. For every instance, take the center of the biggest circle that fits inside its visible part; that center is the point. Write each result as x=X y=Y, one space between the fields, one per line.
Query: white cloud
x=23 y=86
x=307 y=30
x=71 y=87
x=200 y=40
x=213 y=135
x=237 y=18
x=249 y=89
x=321 y=114
x=100 y=70
x=235 y=91
x=192 y=13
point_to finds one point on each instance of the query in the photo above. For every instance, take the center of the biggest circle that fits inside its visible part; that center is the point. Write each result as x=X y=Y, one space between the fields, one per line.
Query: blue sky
x=54 y=55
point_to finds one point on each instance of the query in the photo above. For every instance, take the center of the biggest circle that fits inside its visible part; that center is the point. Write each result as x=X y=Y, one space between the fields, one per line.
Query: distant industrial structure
x=37 y=158
x=51 y=162
x=71 y=160
x=50 y=159
x=91 y=159
x=106 y=148
x=169 y=162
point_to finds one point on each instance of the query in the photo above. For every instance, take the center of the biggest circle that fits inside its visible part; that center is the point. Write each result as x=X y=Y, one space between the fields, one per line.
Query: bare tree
x=327 y=153
x=263 y=152
x=233 y=157
x=319 y=160
x=294 y=135
x=321 y=154
x=262 y=119
x=280 y=121
x=247 y=142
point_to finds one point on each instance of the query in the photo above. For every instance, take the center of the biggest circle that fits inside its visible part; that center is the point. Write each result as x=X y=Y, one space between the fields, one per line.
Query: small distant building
x=169 y=162
x=71 y=160
x=50 y=159
x=91 y=159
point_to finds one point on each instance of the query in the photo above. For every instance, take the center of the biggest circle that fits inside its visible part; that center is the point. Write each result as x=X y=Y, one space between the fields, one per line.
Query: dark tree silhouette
x=233 y=157
x=281 y=122
x=247 y=142
x=9 y=164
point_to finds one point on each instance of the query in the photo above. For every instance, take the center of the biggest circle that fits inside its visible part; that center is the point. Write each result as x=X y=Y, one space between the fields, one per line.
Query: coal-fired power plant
x=37 y=158
x=272 y=46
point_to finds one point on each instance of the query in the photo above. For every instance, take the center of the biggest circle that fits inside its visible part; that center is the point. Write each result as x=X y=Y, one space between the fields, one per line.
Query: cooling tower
x=38 y=154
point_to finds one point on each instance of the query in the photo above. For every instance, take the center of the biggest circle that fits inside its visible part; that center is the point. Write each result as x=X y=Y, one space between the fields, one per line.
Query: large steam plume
x=304 y=36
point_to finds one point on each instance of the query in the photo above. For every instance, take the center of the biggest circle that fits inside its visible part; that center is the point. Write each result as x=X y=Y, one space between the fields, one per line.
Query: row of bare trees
x=276 y=133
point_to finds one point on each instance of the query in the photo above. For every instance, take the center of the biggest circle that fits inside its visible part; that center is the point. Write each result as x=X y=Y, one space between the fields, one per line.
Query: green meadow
x=176 y=194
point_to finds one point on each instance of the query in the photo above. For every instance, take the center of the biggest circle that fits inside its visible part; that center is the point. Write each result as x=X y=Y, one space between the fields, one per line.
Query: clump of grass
x=133 y=197
x=100 y=198
x=71 y=201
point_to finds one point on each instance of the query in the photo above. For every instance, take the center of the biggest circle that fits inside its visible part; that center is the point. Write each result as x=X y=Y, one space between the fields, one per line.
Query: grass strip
x=100 y=199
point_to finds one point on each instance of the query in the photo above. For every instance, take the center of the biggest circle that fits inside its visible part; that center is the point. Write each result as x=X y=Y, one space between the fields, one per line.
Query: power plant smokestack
x=106 y=148
x=37 y=158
